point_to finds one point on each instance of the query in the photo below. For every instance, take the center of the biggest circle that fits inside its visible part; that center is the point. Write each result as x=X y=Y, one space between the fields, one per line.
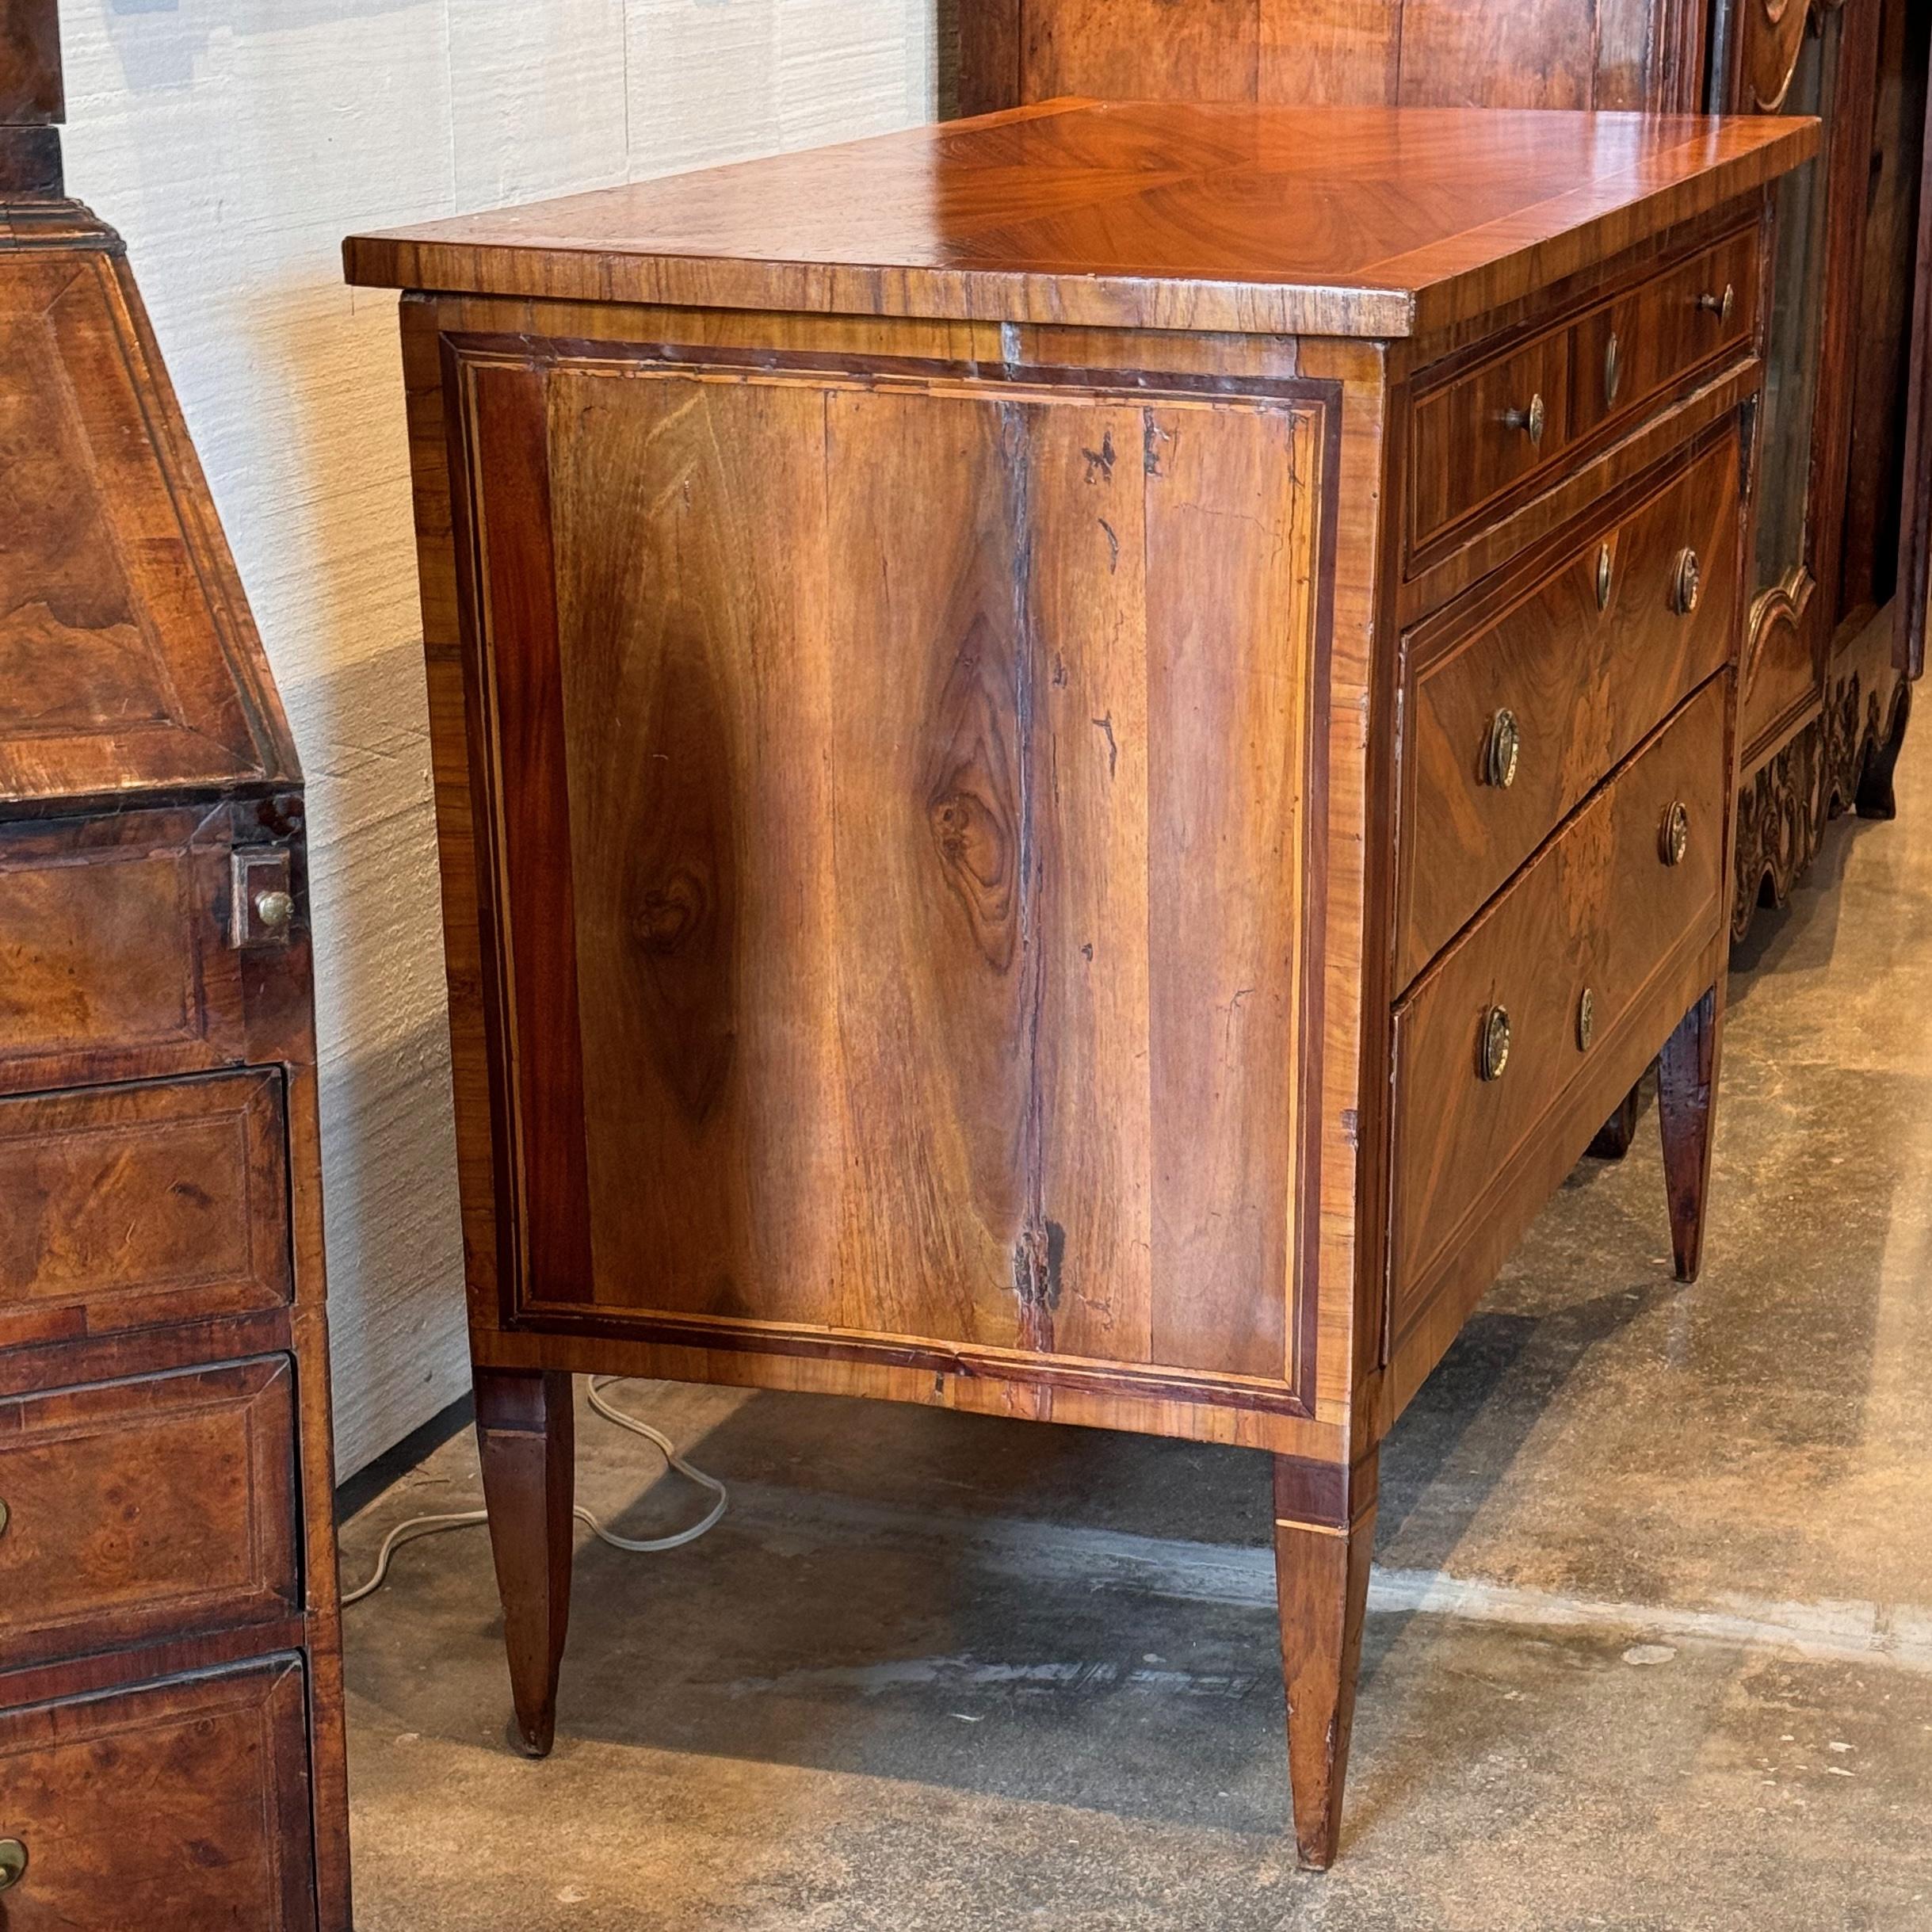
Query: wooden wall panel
x=1208 y=50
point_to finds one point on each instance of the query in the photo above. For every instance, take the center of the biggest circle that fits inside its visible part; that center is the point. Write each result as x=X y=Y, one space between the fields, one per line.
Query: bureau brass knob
x=1605 y=572
x=1613 y=367
x=1492 y=1053
x=1531 y=420
x=1504 y=750
x=274 y=910
x=1586 y=1021
x=7 y=1516
x=1687 y=583
x=12 y=1863
x=1673 y=842
x=1723 y=306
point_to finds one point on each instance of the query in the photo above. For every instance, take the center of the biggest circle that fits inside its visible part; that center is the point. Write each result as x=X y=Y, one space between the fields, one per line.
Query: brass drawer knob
x=12 y=1863
x=1675 y=840
x=274 y=910
x=1687 y=583
x=1504 y=751
x=1532 y=420
x=7 y=1516
x=1613 y=367
x=1723 y=307
x=1493 y=1049
x=1586 y=1021
x=1605 y=575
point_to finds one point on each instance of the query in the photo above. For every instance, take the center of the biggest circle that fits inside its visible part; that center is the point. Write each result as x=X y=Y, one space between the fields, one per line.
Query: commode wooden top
x=1374 y=222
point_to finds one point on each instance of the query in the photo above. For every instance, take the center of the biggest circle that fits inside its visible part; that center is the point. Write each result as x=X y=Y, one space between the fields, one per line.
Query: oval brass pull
x=7 y=1516
x=1687 y=583
x=1492 y=1053
x=274 y=910
x=1723 y=306
x=1673 y=842
x=1533 y=420
x=1504 y=752
x=12 y=1863
x=1605 y=573
x=1613 y=367
x=1585 y=1020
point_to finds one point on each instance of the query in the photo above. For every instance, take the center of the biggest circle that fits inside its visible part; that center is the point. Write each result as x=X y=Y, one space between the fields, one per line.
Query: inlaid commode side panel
x=905 y=788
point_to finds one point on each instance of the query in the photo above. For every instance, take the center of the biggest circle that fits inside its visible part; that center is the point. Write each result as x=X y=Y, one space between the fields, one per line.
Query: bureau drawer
x=123 y=1207
x=141 y=1511
x=180 y=1807
x=1631 y=350
x=1512 y=715
x=114 y=959
x=1479 y=433
x=1600 y=910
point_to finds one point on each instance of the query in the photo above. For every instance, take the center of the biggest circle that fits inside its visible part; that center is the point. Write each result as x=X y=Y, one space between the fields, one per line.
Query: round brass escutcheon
x=1687 y=583
x=1606 y=571
x=1723 y=307
x=1585 y=1020
x=1493 y=1049
x=1675 y=840
x=274 y=910
x=1505 y=751
x=1613 y=367
x=1532 y=420
x=12 y=1862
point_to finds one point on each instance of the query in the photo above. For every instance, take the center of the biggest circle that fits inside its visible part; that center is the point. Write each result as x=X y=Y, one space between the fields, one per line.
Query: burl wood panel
x=113 y=947
x=127 y=1207
x=934 y=846
x=181 y=1807
x=1585 y=676
x=1199 y=216
x=142 y=1510
x=1598 y=909
x=127 y=655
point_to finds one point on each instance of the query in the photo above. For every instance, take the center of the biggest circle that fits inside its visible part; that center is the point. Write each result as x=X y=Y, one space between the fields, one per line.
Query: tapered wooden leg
x=1686 y=1093
x=1324 y=1527
x=1614 y=1136
x=526 y=1434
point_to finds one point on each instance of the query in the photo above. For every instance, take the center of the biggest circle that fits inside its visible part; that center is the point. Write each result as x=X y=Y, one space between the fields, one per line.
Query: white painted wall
x=234 y=142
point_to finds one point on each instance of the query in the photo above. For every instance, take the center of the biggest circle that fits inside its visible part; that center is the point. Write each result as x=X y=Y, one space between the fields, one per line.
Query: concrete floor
x=1650 y=1634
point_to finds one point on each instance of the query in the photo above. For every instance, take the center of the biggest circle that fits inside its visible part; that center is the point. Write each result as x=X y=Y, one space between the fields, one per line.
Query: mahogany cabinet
x=171 y=1749
x=939 y=903
x=1836 y=616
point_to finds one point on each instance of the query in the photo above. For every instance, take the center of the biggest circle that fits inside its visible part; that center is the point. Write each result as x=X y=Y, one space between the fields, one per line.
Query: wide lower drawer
x=180 y=1807
x=123 y=1207
x=1515 y=708
x=1495 y=1034
x=140 y=1511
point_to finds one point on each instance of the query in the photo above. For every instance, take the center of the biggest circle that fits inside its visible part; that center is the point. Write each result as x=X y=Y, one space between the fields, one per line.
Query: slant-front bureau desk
x=1077 y=753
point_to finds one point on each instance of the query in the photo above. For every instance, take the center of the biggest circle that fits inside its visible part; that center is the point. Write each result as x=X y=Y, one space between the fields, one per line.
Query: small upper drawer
x=114 y=958
x=129 y=1206
x=179 y=1807
x=1489 y=1040
x=1631 y=350
x=1479 y=433
x=1516 y=703
x=139 y=1511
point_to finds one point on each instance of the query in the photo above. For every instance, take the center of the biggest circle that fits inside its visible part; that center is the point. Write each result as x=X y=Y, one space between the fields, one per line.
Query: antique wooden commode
x=1077 y=753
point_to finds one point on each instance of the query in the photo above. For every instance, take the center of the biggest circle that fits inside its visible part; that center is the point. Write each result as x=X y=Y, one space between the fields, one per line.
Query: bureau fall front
x=1076 y=755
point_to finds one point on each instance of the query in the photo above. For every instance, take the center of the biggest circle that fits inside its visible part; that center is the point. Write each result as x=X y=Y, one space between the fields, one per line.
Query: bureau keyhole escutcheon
x=1585 y=1020
x=12 y=1863
x=1493 y=1046
x=1502 y=755
x=1606 y=568
x=1613 y=367
x=1673 y=842
x=1686 y=582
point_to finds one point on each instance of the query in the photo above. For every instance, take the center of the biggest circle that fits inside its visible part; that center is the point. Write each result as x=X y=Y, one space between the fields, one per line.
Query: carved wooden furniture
x=1837 y=615
x=170 y=1683
x=938 y=904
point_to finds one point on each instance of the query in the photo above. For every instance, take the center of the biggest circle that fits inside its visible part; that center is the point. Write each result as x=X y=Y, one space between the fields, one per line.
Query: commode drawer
x=1495 y=1034
x=140 y=1511
x=179 y=1807
x=1514 y=709
x=123 y=1207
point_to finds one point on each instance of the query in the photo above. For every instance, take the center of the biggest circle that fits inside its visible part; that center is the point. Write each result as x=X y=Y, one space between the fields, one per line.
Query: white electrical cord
x=418 y=1526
